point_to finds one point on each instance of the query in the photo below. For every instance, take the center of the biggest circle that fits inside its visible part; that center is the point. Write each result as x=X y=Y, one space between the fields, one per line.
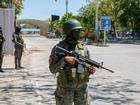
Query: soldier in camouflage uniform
x=18 y=44
x=72 y=77
x=1 y=46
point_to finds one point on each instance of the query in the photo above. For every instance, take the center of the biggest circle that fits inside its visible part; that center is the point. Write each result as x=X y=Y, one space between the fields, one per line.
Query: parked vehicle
x=130 y=34
x=124 y=35
x=51 y=35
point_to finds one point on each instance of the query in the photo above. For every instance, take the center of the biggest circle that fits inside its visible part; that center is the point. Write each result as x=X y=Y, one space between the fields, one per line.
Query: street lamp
x=66 y=2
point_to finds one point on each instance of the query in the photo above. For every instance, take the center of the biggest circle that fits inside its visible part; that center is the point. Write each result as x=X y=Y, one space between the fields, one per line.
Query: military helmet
x=18 y=29
x=70 y=25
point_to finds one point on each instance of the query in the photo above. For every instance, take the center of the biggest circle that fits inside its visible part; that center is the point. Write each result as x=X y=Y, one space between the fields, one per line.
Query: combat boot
x=21 y=67
x=1 y=70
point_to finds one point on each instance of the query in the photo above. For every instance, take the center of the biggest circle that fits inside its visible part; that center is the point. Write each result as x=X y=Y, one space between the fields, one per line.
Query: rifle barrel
x=107 y=69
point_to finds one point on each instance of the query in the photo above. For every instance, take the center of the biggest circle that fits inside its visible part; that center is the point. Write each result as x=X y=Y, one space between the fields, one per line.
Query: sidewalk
x=126 y=41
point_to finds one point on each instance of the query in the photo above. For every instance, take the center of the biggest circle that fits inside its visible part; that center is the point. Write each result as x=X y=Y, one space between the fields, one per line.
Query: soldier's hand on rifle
x=70 y=60
x=91 y=69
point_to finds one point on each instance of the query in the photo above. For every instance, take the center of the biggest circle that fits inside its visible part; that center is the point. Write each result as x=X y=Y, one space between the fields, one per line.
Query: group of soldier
x=18 y=45
x=72 y=76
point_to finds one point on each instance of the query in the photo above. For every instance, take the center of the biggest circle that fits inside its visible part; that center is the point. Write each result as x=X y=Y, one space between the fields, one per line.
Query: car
x=129 y=34
x=50 y=35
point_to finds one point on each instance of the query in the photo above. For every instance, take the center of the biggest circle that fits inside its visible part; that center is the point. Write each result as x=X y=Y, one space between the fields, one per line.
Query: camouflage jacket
x=68 y=75
x=18 y=41
x=1 y=41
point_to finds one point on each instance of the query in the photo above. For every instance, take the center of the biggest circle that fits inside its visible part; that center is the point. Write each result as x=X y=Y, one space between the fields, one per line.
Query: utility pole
x=67 y=9
x=67 y=3
x=96 y=22
x=67 y=6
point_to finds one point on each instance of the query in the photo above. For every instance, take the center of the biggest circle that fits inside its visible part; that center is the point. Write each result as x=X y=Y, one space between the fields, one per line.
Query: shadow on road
x=123 y=92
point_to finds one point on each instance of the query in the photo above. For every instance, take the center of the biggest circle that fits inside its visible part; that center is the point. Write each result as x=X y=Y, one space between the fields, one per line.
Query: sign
x=55 y=17
x=105 y=23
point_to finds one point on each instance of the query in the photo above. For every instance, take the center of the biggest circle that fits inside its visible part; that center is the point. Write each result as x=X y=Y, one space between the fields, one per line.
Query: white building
x=7 y=17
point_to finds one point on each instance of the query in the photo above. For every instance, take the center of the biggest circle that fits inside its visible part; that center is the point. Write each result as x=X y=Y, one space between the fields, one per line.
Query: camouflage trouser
x=18 y=55
x=68 y=96
x=1 y=59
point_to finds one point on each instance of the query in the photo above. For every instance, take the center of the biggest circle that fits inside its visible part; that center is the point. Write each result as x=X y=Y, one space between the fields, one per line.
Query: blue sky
x=43 y=9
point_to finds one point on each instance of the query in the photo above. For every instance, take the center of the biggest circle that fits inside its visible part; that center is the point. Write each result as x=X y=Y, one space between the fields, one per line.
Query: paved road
x=35 y=85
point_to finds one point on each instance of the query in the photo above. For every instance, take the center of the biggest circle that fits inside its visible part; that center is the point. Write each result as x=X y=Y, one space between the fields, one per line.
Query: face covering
x=76 y=34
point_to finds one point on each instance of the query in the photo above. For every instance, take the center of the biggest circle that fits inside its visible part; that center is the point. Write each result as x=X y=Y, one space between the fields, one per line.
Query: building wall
x=7 y=17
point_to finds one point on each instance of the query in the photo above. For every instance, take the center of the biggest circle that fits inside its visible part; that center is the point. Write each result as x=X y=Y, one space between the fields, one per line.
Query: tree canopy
x=124 y=14
x=8 y=3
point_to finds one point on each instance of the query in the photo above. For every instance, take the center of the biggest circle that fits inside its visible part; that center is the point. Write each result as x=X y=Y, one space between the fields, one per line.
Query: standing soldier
x=18 y=44
x=72 y=77
x=1 y=46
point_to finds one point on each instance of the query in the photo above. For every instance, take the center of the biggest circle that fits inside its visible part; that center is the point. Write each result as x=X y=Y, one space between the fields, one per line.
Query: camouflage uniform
x=18 y=44
x=72 y=79
x=1 y=46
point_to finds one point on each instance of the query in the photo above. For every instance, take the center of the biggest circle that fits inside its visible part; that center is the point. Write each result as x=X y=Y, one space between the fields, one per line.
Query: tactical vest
x=19 y=40
x=71 y=76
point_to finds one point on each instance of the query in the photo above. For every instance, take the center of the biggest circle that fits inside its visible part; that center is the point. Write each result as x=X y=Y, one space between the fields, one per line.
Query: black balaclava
x=74 y=36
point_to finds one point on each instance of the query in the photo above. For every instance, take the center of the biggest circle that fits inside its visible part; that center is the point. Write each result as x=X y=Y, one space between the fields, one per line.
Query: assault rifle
x=81 y=59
